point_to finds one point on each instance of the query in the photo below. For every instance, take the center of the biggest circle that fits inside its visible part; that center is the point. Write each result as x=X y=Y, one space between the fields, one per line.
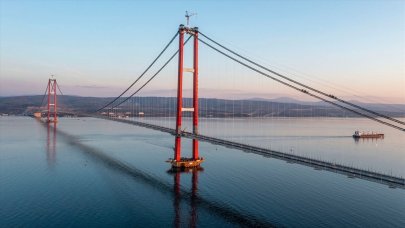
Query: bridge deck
x=389 y=180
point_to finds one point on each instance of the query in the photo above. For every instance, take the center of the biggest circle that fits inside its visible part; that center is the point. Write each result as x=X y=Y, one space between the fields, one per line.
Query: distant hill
x=373 y=106
x=163 y=106
x=18 y=105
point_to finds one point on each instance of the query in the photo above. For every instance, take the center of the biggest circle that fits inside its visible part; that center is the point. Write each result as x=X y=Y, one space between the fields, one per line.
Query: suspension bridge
x=168 y=115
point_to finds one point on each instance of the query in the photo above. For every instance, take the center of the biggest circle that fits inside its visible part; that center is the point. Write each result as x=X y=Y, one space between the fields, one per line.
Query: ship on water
x=358 y=134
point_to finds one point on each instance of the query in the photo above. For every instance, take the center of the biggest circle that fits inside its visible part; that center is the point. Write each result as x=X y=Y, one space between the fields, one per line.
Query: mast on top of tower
x=188 y=15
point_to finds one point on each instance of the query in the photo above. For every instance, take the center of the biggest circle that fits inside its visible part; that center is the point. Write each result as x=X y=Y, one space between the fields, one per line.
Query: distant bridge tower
x=52 y=101
x=178 y=161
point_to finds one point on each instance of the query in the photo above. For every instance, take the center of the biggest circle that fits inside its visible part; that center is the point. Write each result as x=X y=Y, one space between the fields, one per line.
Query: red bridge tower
x=195 y=161
x=52 y=107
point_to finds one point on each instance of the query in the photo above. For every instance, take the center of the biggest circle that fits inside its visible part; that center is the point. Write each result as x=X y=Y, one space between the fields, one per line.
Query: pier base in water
x=185 y=163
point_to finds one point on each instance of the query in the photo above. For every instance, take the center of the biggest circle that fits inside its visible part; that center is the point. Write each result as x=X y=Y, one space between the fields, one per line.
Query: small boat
x=358 y=134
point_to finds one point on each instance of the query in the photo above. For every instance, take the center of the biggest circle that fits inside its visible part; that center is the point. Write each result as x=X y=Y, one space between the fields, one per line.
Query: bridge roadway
x=391 y=181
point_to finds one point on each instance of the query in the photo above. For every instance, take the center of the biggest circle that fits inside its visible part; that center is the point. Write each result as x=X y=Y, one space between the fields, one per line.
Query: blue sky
x=97 y=48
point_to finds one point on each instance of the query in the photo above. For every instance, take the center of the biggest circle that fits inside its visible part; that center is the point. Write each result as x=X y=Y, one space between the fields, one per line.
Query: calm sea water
x=103 y=173
x=327 y=139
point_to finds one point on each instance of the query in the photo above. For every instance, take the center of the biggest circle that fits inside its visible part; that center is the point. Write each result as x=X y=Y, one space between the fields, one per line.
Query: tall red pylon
x=178 y=161
x=52 y=101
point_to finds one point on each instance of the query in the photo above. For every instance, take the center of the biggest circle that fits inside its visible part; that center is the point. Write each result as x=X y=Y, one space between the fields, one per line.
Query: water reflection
x=367 y=140
x=51 y=143
x=178 y=196
x=226 y=212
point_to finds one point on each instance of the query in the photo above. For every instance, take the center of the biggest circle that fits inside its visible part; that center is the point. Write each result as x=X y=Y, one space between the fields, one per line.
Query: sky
x=353 y=49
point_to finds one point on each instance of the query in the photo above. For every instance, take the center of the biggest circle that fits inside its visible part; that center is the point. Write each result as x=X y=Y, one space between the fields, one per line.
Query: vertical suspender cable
x=303 y=85
x=304 y=91
x=146 y=70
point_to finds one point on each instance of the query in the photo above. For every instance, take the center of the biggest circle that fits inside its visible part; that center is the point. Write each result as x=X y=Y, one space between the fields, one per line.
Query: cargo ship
x=358 y=134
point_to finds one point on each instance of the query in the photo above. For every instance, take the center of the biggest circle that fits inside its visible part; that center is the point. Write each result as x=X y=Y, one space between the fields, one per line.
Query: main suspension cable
x=303 y=85
x=43 y=97
x=146 y=70
x=302 y=90
x=60 y=91
x=147 y=82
